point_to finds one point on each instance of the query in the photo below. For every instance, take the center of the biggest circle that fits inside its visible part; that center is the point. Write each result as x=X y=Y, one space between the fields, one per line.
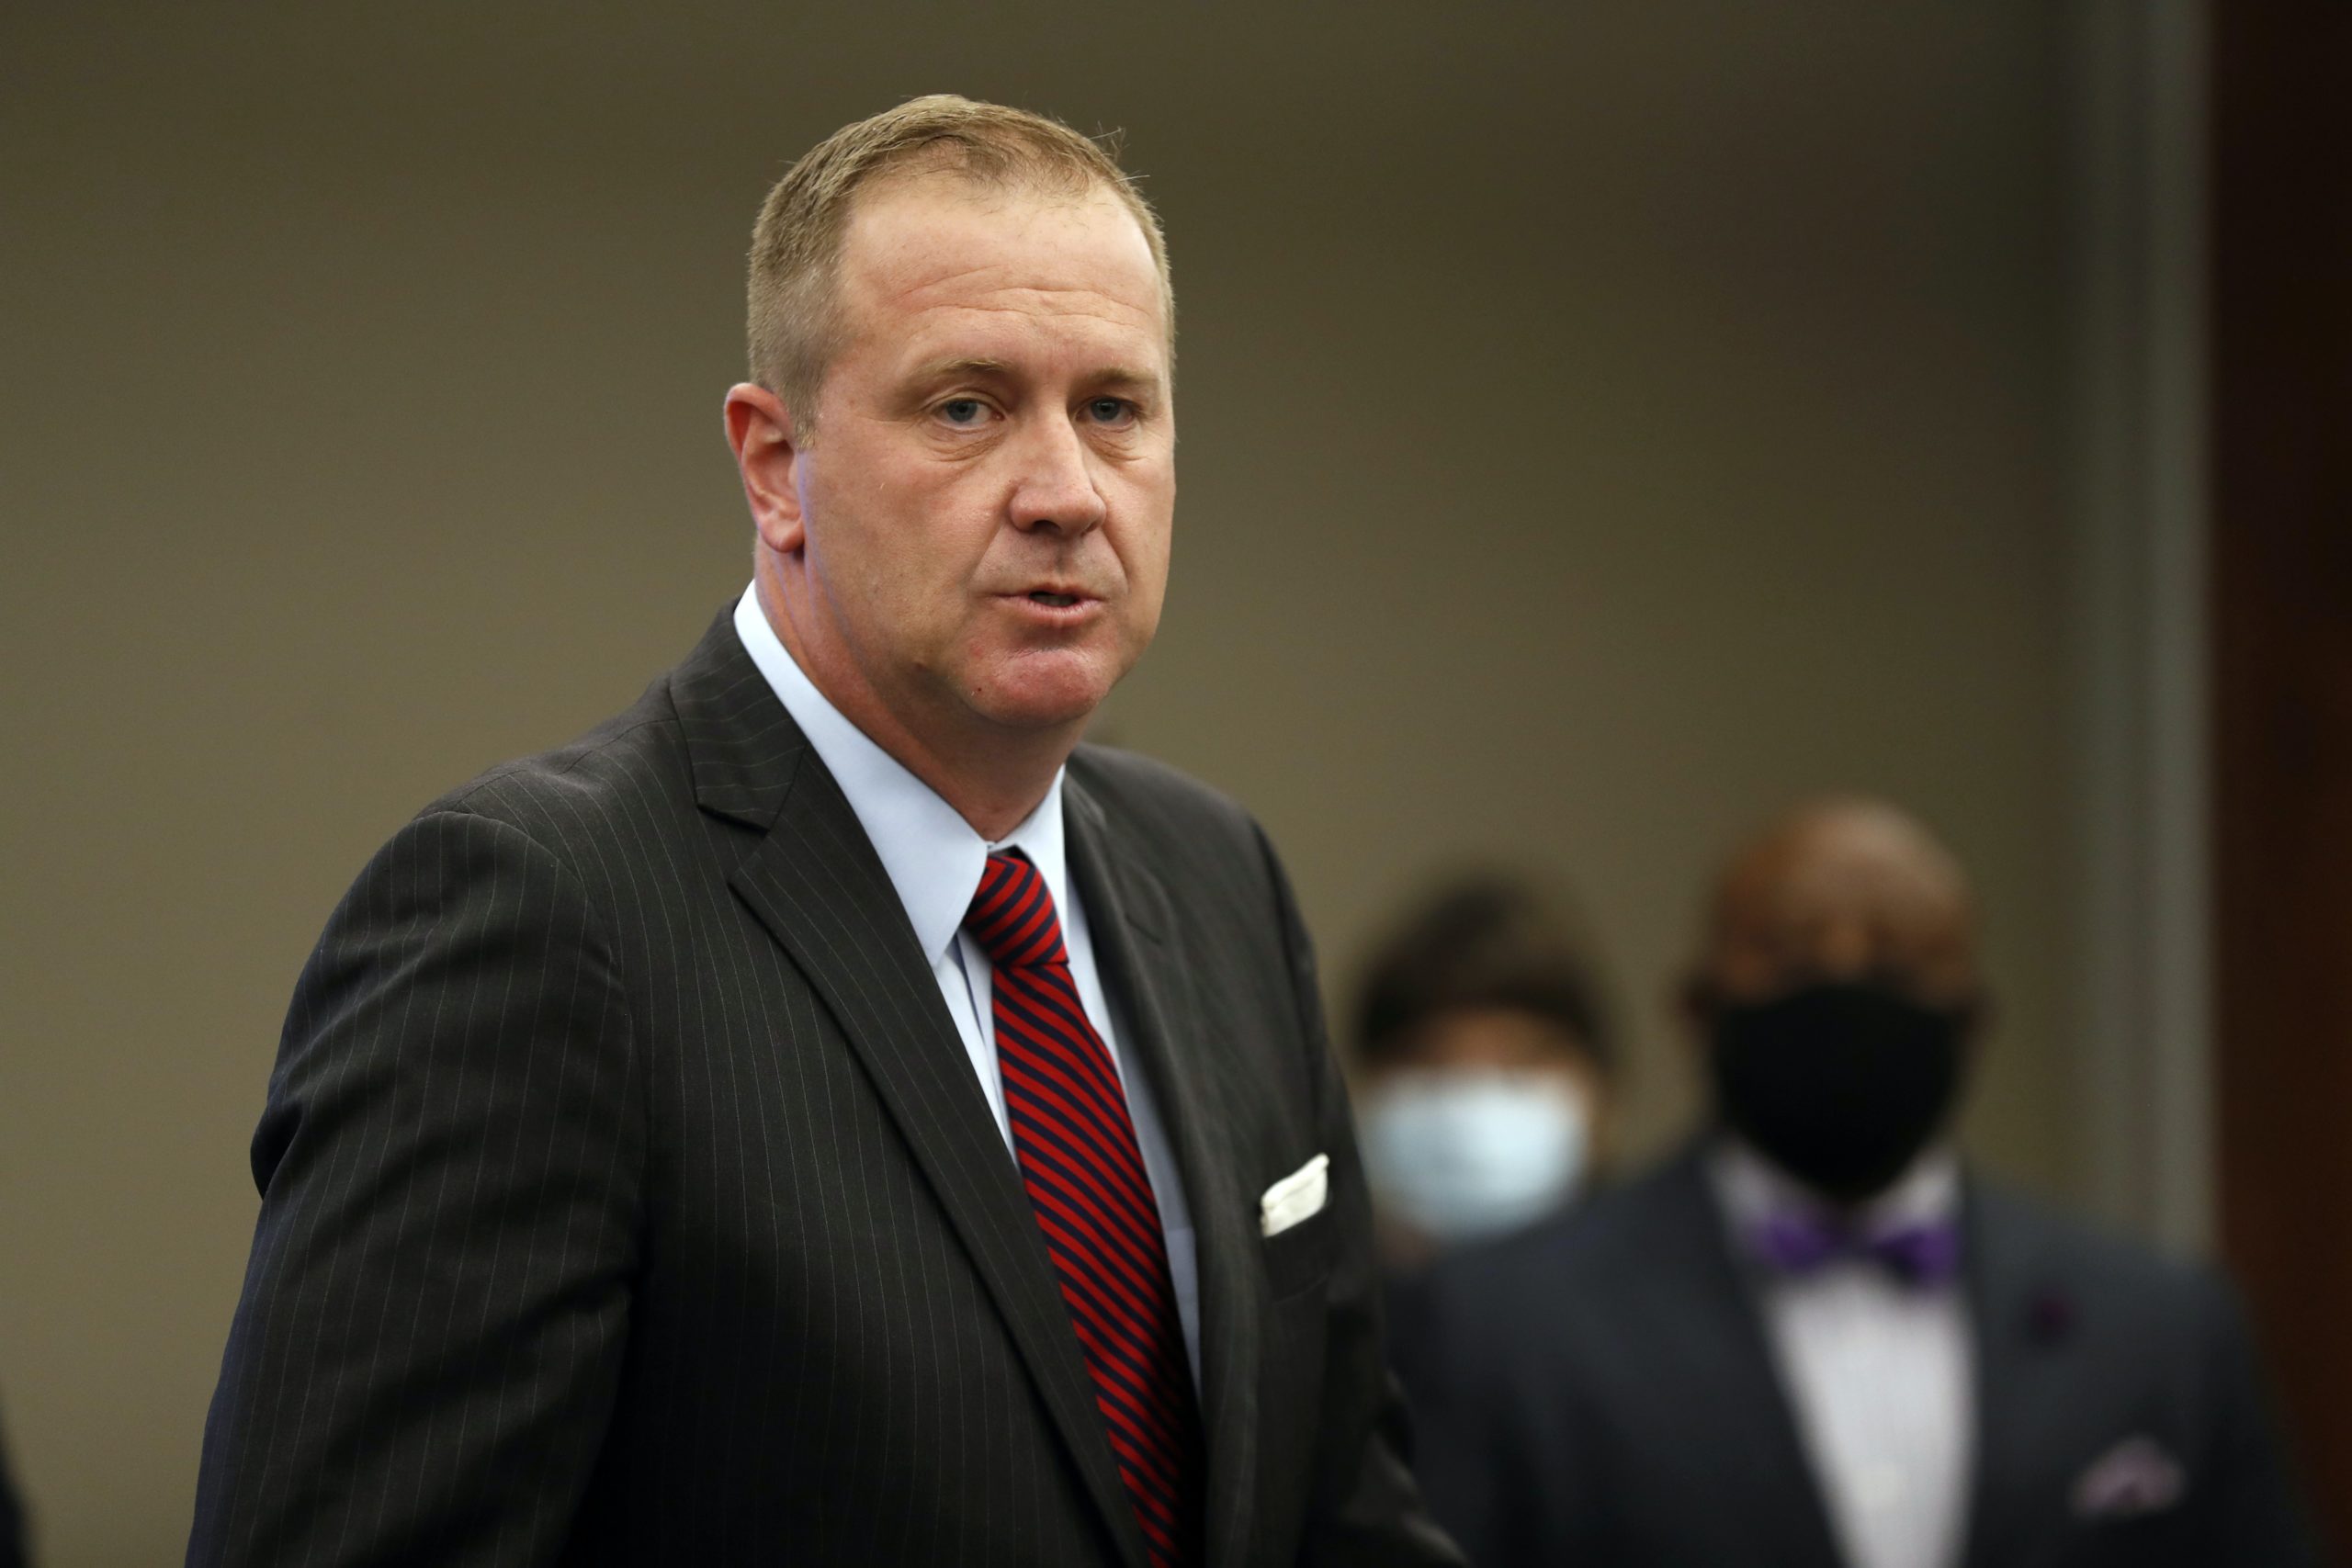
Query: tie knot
x=1925 y=1254
x=1012 y=915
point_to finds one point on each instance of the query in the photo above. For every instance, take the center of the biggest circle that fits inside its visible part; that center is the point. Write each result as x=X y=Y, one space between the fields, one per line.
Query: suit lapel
x=2022 y=1317
x=1139 y=945
x=1707 y=1308
x=817 y=886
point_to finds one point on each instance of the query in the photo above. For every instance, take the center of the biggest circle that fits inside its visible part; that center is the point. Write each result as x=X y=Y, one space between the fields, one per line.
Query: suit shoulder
x=2056 y=1232
x=631 y=765
x=1587 y=1256
x=605 y=811
x=2119 y=1278
x=1147 y=795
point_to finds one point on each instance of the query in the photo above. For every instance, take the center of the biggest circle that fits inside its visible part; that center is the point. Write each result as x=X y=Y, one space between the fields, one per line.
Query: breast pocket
x=1298 y=1258
x=1295 y=1224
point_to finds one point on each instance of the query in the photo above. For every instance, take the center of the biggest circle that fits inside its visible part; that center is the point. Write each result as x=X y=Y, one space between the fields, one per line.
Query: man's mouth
x=1059 y=601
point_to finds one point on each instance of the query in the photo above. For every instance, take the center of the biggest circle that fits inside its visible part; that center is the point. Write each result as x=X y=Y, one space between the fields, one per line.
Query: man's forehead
x=932 y=242
x=1830 y=878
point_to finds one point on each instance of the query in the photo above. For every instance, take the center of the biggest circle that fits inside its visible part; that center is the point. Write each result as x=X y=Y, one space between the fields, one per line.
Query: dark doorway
x=2282 y=693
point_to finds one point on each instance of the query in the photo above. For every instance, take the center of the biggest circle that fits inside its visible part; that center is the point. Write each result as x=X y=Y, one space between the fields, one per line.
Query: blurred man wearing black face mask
x=1815 y=1339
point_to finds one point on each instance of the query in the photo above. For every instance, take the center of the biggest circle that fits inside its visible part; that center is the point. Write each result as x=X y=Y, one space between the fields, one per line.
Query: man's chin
x=1043 y=697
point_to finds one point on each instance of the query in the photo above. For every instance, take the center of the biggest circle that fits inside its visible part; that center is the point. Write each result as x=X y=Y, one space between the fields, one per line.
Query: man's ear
x=767 y=454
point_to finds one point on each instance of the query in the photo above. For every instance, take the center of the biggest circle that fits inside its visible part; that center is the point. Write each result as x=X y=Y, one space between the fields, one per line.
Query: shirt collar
x=1752 y=1189
x=932 y=855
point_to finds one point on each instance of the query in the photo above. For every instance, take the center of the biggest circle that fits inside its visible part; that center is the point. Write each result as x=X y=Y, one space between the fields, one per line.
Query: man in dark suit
x=824 y=1114
x=1813 y=1340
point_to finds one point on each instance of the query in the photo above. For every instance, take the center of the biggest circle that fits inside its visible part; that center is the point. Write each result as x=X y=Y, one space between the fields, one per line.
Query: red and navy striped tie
x=1085 y=1177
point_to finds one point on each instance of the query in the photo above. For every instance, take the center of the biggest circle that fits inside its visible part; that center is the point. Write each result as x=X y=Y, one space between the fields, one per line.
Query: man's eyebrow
x=947 y=369
x=1120 y=375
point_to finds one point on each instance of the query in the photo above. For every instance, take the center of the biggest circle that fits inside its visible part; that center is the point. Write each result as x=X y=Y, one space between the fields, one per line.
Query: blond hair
x=794 y=325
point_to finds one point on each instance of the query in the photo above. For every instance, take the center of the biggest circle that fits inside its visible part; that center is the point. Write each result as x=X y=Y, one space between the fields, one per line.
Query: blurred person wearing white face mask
x=1483 y=1065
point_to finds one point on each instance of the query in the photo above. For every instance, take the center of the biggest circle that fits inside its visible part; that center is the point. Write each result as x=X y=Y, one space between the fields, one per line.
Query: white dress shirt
x=1880 y=1372
x=934 y=861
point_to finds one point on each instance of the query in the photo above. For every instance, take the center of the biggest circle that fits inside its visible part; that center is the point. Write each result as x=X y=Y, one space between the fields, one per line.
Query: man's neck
x=992 y=779
x=1929 y=1187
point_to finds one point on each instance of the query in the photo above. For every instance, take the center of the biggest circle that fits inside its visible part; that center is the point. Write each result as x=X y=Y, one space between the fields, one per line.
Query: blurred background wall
x=1600 y=424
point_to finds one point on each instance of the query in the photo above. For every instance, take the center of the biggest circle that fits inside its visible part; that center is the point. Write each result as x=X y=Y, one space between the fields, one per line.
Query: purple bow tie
x=1925 y=1254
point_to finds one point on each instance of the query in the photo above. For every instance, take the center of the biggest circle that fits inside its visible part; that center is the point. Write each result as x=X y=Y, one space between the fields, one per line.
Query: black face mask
x=1839 y=1084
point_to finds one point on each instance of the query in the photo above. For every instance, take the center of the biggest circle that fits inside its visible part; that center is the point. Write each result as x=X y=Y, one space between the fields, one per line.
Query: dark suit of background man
x=803 y=1120
x=1815 y=1339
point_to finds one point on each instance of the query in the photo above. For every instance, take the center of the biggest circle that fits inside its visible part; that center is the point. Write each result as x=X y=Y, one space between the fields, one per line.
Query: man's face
x=990 y=490
x=1836 y=996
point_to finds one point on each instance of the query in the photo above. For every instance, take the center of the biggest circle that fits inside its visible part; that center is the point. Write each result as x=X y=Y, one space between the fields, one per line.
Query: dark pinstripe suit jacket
x=628 y=1197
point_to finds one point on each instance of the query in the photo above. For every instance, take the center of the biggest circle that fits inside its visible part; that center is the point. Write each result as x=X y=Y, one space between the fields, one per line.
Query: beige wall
x=1595 y=432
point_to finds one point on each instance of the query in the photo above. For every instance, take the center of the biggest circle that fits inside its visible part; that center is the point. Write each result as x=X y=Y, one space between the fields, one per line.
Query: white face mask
x=1459 y=1154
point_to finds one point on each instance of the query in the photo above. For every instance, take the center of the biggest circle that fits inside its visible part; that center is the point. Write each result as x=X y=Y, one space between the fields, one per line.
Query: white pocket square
x=1298 y=1196
x=2133 y=1478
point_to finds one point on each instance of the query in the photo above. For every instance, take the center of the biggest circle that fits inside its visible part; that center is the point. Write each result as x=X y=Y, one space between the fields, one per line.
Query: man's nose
x=1055 y=488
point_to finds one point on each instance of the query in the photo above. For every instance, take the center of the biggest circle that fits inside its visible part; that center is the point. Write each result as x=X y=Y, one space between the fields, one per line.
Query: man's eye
x=963 y=411
x=1111 y=411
